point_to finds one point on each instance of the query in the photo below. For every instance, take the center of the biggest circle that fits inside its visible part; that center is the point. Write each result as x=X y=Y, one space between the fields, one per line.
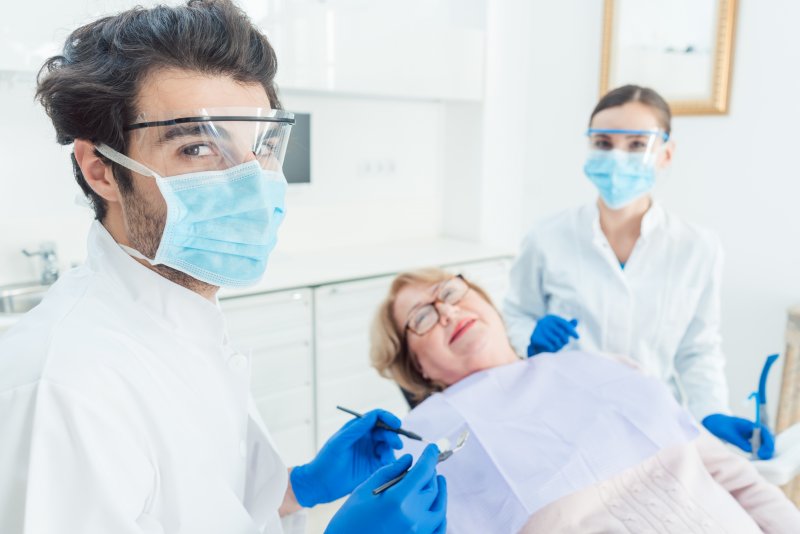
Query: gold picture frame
x=650 y=56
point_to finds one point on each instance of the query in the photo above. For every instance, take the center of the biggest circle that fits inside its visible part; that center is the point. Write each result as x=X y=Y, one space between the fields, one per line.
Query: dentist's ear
x=95 y=171
x=667 y=154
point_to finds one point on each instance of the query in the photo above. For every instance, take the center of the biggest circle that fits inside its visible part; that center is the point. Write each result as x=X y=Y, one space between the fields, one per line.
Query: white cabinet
x=343 y=316
x=276 y=329
x=431 y=49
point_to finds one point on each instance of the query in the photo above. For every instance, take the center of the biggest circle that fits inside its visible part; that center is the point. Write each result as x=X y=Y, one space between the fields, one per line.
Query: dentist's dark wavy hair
x=635 y=93
x=90 y=90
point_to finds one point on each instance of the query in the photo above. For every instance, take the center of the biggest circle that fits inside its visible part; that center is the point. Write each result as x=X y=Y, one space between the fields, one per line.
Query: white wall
x=376 y=173
x=735 y=173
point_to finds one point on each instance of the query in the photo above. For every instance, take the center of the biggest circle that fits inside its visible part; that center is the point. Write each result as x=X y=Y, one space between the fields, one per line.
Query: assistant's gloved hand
x=551 y=334
x=738 y=431
x=347 y=459
x=418 y=503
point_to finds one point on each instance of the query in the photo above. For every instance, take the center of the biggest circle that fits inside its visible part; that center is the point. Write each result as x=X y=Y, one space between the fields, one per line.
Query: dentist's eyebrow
x=195 y=130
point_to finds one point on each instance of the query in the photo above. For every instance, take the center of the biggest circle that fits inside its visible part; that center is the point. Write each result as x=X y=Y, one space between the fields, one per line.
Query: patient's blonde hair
x=389 y=352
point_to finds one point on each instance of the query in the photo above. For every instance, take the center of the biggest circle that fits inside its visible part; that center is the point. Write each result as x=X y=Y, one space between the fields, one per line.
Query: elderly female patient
x=568 y=442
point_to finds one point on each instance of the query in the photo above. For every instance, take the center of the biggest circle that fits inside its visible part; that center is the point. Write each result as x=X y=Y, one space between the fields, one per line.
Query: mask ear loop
x=125 y=161
x=135 y=166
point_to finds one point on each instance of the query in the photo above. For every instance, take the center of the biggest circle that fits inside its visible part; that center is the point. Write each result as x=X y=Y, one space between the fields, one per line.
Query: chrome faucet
x=47 y=250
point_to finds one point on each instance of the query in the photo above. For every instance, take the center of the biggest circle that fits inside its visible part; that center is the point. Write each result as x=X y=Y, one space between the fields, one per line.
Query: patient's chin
x=471 y=341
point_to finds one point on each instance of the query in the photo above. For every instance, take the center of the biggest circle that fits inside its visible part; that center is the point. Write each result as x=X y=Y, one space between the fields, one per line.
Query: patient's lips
x=462 y=326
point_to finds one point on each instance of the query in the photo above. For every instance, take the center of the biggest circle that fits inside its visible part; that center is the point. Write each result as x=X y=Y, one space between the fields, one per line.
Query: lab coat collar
x=178 y=309
x=652 y=220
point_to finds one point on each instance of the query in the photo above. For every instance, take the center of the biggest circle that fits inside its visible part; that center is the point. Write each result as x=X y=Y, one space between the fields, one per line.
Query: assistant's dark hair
x=90 y=90
x=634 y=93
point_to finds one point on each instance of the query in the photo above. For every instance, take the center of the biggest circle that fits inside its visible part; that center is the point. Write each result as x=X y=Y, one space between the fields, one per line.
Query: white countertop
x=332 y=265
x=325 y=266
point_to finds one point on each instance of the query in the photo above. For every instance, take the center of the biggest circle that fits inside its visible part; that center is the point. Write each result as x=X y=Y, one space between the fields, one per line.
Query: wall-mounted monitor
x=297 y=162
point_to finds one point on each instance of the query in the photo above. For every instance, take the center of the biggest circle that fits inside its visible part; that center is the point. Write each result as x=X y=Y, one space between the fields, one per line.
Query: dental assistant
x=624 y=275
x=123 y=408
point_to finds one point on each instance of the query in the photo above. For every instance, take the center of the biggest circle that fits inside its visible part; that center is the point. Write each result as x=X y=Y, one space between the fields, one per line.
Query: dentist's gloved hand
x=551 y=334
x=738 y=431
x=347 y=459
x=418 y=503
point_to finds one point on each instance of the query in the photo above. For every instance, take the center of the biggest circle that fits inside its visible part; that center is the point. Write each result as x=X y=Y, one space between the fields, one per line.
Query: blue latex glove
x=418 y=503
x=738 y=431
x=551 y=334
x=347 y=459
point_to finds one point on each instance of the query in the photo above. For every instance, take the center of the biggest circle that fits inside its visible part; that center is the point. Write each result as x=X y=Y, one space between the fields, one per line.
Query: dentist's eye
x=198 y=150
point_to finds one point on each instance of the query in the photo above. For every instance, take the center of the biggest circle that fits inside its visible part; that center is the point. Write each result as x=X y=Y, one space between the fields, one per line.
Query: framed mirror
x=681 y=48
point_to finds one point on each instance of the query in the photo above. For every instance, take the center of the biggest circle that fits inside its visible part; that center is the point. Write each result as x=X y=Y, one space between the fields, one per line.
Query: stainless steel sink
x=19 y=298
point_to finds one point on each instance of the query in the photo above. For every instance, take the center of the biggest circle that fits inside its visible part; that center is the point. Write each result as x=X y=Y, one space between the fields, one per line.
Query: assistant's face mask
x=221 y=178
x=622 y=175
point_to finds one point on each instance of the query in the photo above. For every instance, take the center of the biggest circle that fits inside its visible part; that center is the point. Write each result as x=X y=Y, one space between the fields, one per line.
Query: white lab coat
x=662 y=309
x=123 y=410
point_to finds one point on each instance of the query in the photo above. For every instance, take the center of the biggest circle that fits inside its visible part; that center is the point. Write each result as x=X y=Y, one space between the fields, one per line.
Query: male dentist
x=122 y=408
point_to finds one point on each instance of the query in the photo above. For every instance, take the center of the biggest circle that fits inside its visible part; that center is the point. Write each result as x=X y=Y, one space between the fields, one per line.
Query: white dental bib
x=542 y=429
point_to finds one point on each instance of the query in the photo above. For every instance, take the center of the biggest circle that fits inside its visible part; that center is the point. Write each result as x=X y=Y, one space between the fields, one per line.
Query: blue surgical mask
x=221 y=225
x=620 y=177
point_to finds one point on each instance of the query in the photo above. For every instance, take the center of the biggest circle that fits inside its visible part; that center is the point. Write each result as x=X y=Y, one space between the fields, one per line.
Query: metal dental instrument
x=381 y=424
x=444 y=455
x=762 y=415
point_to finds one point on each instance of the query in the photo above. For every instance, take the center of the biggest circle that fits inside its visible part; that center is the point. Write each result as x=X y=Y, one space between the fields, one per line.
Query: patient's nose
x=447 y=312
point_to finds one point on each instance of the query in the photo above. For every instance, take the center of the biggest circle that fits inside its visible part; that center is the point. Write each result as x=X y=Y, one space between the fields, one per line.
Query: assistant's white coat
x=662 y=310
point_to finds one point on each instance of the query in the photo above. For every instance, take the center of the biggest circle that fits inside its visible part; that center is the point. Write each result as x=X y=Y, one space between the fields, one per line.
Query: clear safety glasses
x=423 y=318
x=644 y=143
x=212 y=139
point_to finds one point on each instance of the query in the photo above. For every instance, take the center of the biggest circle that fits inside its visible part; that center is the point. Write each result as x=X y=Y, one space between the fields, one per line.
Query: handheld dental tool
x=381 y=424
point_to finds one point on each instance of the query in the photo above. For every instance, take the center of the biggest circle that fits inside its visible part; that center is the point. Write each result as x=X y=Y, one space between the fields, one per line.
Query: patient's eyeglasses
x=424 y=317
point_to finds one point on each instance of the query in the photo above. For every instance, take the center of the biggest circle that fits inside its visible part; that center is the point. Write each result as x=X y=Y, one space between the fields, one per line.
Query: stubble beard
x=145 y=225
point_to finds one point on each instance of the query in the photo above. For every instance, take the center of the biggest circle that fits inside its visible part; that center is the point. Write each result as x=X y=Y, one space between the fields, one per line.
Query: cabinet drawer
x=265 y=338
x=280 y=368
x=295 y=444
x=287 y=409
x=359 y=299
x=272 y=313
x=344 y=314
x=362 y=392
x=342 y=357
x=346 y=325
